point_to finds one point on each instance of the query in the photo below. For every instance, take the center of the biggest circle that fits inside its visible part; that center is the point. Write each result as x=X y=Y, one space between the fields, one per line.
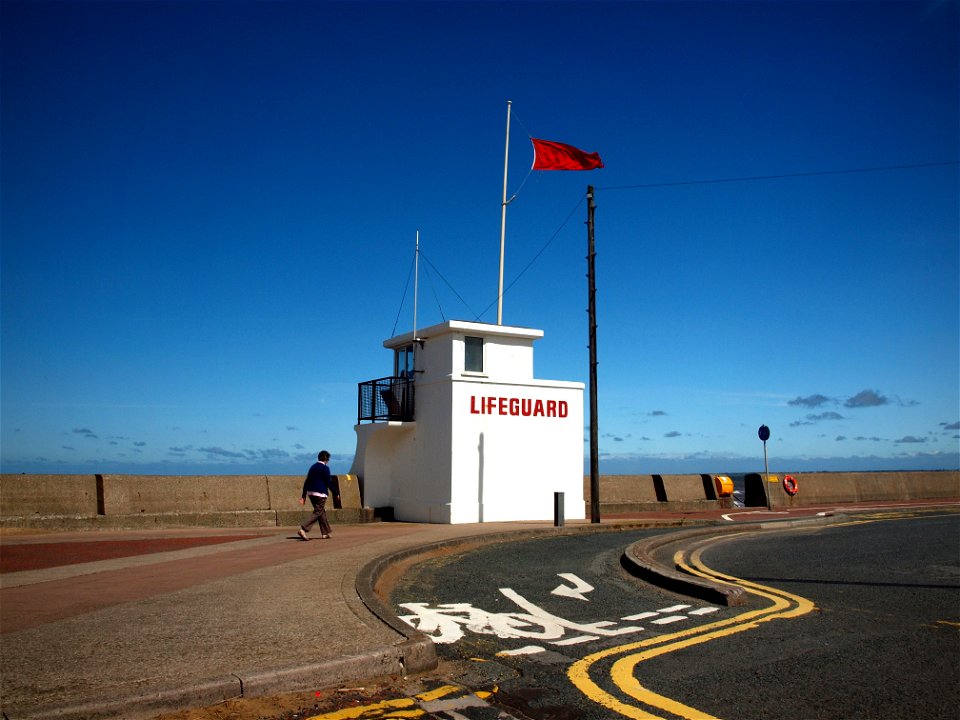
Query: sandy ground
x=305 y=705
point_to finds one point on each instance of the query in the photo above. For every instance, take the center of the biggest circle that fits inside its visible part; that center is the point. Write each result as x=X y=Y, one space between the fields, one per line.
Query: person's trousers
x=319 y=515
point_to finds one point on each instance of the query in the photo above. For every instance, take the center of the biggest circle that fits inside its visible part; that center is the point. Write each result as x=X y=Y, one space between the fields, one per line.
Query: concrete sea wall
x=624 y=494
x=850 y=487
x=75 y=502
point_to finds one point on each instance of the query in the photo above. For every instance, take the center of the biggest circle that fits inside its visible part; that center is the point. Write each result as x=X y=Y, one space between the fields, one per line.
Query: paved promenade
x=132 y=623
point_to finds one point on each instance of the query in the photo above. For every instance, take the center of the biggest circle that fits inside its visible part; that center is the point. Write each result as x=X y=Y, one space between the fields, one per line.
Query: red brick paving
x=38 y=556
x=28 y=606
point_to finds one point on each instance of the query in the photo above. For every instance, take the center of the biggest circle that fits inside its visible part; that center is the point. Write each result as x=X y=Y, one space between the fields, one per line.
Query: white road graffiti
x=577 y=591
x=448 y=622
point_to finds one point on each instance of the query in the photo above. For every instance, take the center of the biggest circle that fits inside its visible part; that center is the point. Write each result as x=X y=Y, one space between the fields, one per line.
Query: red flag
x=549 y=155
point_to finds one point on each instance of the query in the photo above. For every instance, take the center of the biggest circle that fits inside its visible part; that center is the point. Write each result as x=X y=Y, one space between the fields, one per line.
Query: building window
x=403 y=362
x=473 y=357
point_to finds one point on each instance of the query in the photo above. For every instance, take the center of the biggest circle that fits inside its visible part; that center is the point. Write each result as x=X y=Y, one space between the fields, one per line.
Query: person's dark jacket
x=318 y=481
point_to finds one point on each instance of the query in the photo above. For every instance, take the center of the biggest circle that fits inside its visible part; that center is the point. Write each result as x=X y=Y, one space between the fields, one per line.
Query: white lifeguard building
x=462 y=432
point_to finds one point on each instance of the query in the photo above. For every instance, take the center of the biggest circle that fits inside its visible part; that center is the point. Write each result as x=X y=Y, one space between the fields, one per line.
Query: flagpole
x=503 y=219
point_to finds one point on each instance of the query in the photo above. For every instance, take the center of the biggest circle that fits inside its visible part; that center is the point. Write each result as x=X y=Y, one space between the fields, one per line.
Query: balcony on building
x=388 y=399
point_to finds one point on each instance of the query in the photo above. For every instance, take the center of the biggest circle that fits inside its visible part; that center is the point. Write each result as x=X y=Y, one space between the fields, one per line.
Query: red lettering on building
x=518 y=407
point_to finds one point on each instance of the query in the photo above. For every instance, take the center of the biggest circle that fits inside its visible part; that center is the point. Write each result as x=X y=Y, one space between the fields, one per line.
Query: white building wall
x=485 y=446
x=509 y=464
x=422 y=467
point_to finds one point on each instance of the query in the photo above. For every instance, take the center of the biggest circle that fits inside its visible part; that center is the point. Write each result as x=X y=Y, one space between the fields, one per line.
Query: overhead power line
x=553 y=237
x=777 y=177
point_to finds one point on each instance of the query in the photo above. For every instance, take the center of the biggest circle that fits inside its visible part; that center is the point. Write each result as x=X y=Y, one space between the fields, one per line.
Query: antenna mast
x=416 y=280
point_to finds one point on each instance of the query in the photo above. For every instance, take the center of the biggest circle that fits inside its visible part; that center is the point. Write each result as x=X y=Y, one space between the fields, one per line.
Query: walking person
x=317 y=486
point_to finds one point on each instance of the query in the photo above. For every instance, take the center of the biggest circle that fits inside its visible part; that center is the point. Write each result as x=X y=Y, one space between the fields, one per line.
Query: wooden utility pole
x=592 y=311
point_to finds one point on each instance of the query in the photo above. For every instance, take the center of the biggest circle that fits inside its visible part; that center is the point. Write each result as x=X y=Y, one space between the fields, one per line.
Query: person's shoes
x=302 y=534
x=326 y=537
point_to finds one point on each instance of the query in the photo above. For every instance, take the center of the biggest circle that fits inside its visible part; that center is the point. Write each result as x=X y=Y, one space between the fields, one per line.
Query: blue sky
x=209 y=213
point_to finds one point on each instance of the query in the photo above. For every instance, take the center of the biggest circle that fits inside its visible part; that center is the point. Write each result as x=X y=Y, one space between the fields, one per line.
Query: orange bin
x=724 y=486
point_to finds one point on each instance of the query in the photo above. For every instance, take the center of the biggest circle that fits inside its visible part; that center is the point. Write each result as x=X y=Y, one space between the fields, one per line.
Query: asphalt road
x=859 y=620
x=883 y=642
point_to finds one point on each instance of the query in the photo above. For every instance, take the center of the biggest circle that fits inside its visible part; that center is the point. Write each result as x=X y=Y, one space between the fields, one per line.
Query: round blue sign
x=764 y=433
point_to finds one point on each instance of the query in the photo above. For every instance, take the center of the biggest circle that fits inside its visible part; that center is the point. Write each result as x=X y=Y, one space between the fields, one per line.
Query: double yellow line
x=399 y=707
x=623 y=672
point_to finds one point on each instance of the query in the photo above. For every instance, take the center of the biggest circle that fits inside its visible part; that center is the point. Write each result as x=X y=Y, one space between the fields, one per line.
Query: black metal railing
x=389 y=398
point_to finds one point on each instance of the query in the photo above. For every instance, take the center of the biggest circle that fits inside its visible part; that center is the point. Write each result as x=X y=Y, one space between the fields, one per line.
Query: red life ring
x=790 y=485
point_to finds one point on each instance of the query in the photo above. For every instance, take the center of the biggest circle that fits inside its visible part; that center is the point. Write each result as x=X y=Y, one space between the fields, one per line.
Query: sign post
x=764 y=434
